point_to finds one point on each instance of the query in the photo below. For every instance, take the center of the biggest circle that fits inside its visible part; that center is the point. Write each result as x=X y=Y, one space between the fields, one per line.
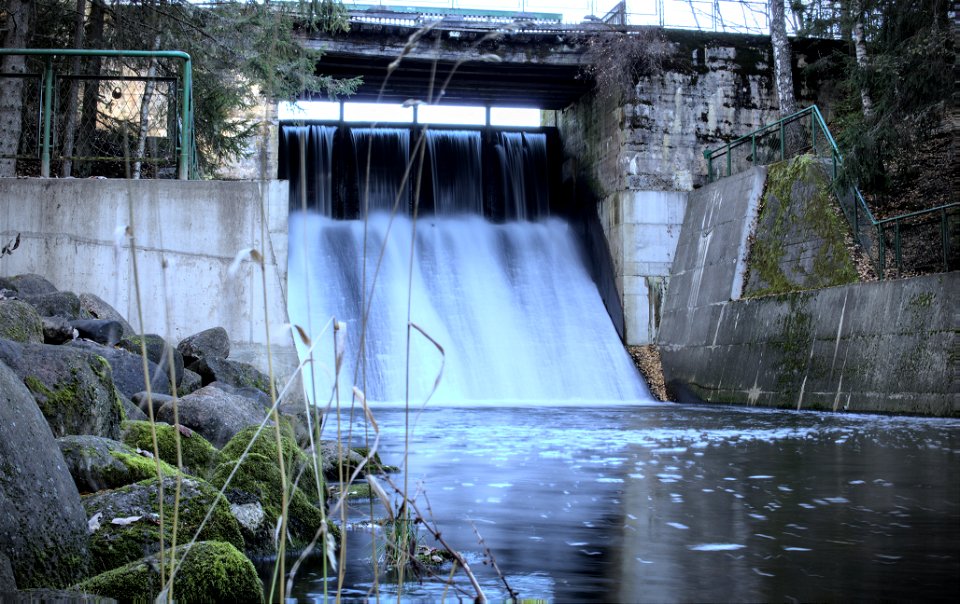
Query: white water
x=512 y=306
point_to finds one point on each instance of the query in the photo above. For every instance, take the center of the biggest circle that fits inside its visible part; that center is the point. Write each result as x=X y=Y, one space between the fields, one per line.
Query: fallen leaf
x=94 y=523
x=184 y=430
x=125 y=521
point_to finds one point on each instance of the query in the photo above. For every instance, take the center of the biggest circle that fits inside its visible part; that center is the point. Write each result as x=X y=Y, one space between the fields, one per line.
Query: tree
x=782 y=63
x=237 y=48
x=18 y=15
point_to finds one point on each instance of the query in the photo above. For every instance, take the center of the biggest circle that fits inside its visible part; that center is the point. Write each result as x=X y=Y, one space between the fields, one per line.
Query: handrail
x=871 y=225
x=186 y=110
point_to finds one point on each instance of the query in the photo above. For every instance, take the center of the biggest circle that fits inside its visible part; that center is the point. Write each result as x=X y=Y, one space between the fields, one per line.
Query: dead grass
x=647 y=360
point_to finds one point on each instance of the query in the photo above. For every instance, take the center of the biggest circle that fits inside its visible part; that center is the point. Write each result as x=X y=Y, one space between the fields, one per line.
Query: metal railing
x=806 y=132
x=111 y=99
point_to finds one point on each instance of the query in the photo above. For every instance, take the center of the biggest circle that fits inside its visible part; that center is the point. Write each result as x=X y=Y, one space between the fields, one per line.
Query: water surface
x=660 y=503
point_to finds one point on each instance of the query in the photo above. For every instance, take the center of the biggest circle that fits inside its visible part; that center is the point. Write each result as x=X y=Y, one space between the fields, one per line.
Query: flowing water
x=540 y=437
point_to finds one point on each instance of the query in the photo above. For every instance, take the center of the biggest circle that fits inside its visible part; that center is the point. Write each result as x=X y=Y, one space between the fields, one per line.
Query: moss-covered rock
x=73 y=388
x=98 y=463
x=258 y=480
x=199 y=457
x=297 y=463
x=209 y=572
x=59 y=304
x=20 y=322
x=234 y=373
x=115 y=544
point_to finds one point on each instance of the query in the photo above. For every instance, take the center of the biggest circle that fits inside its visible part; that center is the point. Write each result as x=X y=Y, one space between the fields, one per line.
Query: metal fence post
x=47 y=110
x=186 y=113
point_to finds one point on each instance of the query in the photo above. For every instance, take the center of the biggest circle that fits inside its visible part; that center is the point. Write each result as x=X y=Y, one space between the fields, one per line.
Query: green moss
x=298 y=464
x=788 y=207
x=113 y=545
x=60 y=405
x=143 y=467
x=210 y=572
x=199 y=456
x=259 y=478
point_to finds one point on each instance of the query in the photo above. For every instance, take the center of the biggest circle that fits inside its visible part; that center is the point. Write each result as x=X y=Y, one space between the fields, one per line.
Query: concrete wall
x=883 y=346
x=187 y=235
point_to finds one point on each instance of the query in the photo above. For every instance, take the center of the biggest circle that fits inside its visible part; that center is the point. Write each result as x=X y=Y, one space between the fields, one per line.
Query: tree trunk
x=860 y=48
x=145 y=102
x=88 y=111
x=782 y=70
x=70 y=128
x=11 y=88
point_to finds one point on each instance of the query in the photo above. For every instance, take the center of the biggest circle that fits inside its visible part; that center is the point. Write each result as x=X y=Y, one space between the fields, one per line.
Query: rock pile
x=89 y=485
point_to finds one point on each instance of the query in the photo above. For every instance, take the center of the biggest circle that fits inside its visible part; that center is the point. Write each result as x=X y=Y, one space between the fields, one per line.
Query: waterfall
x=499 y=312
x=309 y=174
x=383 y=153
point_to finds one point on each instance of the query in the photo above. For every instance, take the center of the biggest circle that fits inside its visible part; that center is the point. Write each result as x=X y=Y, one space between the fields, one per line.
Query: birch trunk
x=782 y=70
x=863 y=61
x=11 y=88
x=145 y=112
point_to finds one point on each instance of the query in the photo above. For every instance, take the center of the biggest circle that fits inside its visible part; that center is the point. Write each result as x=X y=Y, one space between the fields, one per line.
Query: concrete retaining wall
x=187 y=235
x=887 y=346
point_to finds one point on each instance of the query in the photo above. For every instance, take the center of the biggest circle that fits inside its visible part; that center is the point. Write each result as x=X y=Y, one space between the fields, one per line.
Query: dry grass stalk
x=647 y=360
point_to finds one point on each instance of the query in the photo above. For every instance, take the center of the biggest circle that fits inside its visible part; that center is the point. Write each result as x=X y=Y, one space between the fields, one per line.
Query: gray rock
x=127 y=369
x=43 y=527
x=99 y=309
x=191 y=381
x=57 y=330
x=212 y=342
x=59 y=304
x=115 y=544
x=55 y=596
x=261 y=397
x=29 y=284
x=73 y=388
x=216 y=415
x=140 y=399
x=98 y=463
x=8 y=583
x=233 y=373
x=101 y=331
x=158 y=351
x=20 y=322
x=132 y=412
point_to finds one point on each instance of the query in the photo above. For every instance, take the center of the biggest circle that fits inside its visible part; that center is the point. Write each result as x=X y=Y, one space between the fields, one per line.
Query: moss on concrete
x=210 y=571
x=198 y=455
x=798 y=202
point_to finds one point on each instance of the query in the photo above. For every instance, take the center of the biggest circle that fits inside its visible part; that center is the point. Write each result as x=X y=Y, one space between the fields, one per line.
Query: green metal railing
x=46 y=110
x=806 y=132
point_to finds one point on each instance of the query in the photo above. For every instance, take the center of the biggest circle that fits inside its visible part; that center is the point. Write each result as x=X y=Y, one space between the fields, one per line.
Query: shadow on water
x=679 y=503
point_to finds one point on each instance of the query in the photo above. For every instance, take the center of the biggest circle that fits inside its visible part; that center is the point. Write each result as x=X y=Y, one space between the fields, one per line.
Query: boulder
x=57 y=330
x=101 y=331
x=256 y=486
x=210 y=572
x=73 y=388
x=129 y=519
x=212 y=342
x=8 y=582
x=20 y=322
x=158 y=351
x=191 y=382
x=255 y=394
x=132 y=411
x=198 y=456
x=98 y=309
x=43 y=528
x=98 y=463
x=215 y=414
x=127 y=369
x=297 y=463
x=233 y=373
x=57 y=304
x=142 y=400
x=29 y=284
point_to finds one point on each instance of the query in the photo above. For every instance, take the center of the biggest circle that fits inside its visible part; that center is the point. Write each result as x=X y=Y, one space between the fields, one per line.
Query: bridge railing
x=133 y=108
x=923 y=241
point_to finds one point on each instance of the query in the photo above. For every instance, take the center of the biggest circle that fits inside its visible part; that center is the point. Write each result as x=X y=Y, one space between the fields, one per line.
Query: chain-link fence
x=95 y=113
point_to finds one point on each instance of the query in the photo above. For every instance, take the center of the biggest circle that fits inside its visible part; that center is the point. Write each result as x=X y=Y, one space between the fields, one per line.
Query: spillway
x=497 y=311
